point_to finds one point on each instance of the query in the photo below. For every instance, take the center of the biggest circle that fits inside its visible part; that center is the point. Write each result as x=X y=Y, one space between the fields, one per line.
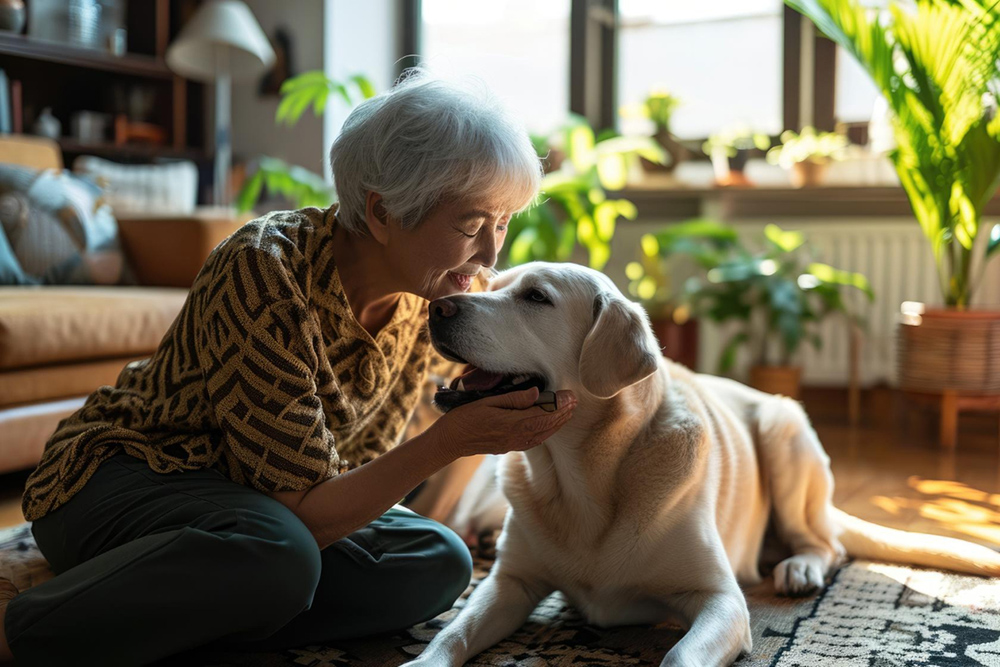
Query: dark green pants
x=149 y=565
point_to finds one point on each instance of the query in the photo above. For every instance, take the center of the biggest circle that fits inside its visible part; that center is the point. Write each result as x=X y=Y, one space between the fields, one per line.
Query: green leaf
x=605 y=215
x=305 y=80
x=612 y=171
x=728 y=357
x=599 y=256
x=365 y=85
x=521 y=247
x=831 y=276
x=718 y=234
x=580 y=146
x=250 y=192
x=786 y=241
x=567 y=240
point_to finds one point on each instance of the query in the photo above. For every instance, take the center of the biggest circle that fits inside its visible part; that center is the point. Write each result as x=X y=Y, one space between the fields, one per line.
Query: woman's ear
x=377 y=218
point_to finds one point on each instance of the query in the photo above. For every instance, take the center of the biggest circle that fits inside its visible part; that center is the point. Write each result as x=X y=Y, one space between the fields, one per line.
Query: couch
x=58 y=344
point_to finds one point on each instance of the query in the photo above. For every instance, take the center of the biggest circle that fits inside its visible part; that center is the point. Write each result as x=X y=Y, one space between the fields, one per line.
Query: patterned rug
x=871 y=615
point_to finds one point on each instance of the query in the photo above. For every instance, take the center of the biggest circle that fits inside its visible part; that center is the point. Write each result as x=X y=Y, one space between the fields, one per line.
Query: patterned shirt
x=265 y=375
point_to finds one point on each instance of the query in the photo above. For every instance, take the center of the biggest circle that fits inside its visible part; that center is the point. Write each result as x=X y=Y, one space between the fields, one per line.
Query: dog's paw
x=799 y=575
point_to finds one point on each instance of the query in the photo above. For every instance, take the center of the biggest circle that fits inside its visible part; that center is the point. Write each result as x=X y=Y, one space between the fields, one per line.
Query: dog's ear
x=619 y=350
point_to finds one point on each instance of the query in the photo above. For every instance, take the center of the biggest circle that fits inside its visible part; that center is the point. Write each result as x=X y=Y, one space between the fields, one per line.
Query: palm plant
x=936 y=65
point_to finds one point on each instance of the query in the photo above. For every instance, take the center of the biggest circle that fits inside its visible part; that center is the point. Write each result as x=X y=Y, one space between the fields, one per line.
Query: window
x=855 y=95
x=520 y=48
x=723 y=59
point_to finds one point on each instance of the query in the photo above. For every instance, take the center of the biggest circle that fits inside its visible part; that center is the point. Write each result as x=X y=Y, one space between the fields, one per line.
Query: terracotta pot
x=949 y=349
x=729 y=170
x=678 y=341
x=807 y=174
x=784 y=380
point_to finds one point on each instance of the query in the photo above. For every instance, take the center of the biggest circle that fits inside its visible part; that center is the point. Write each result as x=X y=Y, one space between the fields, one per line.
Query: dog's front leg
x=719 y=629
x=498 y=607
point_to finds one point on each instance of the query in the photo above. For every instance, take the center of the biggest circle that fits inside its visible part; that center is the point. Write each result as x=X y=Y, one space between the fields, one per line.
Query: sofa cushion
x=22 y=386
x=167 y=188
x=41 y=325
x=27 y=428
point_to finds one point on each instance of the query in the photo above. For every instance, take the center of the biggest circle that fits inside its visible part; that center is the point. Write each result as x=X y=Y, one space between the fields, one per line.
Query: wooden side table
x=951 y=404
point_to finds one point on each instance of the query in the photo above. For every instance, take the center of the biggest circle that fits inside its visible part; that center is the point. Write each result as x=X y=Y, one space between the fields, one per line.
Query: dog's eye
x=536 y=295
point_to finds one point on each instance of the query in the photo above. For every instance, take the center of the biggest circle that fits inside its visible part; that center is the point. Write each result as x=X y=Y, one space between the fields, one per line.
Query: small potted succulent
x=730 y=149
x=806 y=155
x=777 y=296
x=659 y=107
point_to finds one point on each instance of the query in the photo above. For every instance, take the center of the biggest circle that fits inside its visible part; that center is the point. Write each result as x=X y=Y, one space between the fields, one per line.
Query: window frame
x=593 y=79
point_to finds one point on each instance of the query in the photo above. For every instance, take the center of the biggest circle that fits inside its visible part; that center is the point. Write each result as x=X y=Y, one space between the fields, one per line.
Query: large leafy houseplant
x=650 y=281
x=775 y=295
x=298 y=184
x=935 y=61
x=573 y=207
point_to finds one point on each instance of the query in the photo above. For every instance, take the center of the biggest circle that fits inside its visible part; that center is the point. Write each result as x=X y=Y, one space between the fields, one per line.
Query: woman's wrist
x=440 y=444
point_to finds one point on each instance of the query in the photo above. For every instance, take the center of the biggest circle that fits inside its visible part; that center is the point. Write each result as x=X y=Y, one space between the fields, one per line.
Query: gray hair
x=427 y=141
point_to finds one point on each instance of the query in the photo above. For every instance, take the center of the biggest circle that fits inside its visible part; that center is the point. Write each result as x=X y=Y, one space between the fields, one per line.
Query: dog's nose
x=442 y=309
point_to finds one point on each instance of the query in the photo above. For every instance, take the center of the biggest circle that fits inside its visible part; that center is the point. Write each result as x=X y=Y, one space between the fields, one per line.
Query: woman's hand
x=501 y=424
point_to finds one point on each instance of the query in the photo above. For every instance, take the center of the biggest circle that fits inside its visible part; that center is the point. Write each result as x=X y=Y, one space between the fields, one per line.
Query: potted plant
x=650 y=281
x=776 y=297
x=658 y=108
x=935 y=63
x=573 y=208
x=806 y=155
x=729 y=150
x=298 y=184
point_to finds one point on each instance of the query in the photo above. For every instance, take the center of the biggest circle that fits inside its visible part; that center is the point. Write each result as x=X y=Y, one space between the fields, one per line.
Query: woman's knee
x=279 y=563
x=449 y=570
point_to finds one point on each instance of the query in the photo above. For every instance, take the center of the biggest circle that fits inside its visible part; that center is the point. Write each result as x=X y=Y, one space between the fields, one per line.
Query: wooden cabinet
x=137 y=88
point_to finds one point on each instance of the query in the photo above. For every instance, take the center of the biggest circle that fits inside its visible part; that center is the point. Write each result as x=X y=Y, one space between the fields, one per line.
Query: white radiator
x=897 y=260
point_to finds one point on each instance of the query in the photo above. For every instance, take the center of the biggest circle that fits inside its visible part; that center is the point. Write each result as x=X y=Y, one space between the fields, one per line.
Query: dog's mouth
x=476 y=383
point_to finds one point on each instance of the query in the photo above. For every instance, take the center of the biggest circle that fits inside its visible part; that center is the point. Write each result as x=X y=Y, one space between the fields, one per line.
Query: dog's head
x=554 y=326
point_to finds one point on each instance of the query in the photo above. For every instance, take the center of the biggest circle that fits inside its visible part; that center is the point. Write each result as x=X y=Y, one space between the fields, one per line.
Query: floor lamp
x=222 y=42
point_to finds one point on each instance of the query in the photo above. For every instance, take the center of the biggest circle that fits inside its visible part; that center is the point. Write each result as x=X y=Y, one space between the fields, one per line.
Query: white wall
x=341 y=37
x=361 y=38
x=254 y=130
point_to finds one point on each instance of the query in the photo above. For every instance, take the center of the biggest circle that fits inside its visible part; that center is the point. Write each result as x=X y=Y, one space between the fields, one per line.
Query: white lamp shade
x=222 y=38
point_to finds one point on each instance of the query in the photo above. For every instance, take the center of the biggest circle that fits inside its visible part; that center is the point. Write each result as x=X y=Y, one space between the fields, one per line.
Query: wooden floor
x=888 y=470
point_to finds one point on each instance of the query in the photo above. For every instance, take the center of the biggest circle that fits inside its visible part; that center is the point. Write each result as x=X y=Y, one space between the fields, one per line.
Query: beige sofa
x=58 y=344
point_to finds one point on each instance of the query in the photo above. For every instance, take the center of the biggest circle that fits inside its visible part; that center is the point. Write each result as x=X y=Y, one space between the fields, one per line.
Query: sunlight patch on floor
x=954 y=506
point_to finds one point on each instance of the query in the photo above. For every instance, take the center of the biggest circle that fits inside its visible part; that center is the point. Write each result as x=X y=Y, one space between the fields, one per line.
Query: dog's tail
x=871 y=541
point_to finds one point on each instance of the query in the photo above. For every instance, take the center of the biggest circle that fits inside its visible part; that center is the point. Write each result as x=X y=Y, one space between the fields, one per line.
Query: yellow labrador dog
x=653 y=502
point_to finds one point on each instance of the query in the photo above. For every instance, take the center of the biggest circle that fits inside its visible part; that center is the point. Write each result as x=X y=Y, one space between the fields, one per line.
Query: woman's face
x=443 y=254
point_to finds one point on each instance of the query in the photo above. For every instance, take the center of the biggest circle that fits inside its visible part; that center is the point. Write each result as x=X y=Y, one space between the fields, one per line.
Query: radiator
x=897 y=260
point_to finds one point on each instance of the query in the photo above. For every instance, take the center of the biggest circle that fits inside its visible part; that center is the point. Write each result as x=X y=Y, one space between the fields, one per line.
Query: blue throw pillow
x=57 y=231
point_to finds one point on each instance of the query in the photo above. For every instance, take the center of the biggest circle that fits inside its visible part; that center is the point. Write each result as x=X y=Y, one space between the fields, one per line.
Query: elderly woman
x=238 y=488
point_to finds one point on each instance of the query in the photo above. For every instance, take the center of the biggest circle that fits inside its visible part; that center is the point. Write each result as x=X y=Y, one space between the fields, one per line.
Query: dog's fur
x=653 y=502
